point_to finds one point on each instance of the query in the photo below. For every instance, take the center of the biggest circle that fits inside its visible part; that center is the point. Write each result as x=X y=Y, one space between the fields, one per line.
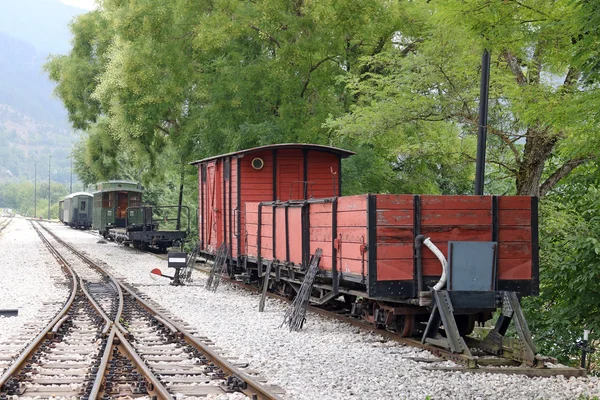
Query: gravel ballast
x=327 y=359
x=31 y=281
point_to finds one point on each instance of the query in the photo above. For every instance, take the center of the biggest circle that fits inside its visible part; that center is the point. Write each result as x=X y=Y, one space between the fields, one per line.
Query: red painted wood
x=455 y=203
x=295 y=234
x=394 y=270
x=514 y=203
x=323 y=171
x=280 y=234
x=346 y=234
x=395 y=217
x=514 y=218
x=514 y=233
x=320 y=207
x=456 y=217
x=514 y=269
x=350 y=266
x=396 y=251
x=352 y=203
x=395 y=201
x=352 y=218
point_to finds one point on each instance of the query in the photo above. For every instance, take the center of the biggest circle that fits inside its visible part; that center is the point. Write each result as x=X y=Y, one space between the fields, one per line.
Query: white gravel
x=328 y=359
x=31 y=281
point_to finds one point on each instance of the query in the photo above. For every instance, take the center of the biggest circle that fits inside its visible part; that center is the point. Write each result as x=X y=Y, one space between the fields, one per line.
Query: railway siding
x=328 y=359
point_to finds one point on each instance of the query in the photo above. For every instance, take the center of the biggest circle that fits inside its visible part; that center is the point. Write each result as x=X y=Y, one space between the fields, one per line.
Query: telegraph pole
x=49 y=158
x=35 y=191
x=71 y=180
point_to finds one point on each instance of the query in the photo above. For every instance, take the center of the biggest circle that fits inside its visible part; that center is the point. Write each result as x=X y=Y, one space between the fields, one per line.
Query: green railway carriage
x=111 y=201
x=77 y=210
x=120 y=216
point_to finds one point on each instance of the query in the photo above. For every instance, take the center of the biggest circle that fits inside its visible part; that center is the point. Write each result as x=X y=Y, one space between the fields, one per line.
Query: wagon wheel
x=405 y=325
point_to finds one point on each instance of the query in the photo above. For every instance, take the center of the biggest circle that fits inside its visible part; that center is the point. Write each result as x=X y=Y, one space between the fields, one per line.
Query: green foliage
x=569 y=298
x=19 y=196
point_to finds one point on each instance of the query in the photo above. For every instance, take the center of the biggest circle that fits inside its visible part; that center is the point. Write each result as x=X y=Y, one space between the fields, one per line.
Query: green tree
x=430 y=80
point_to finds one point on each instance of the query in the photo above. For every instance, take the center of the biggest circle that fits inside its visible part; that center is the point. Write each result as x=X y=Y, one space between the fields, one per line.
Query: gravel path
x=328 y=359
x=30 y=280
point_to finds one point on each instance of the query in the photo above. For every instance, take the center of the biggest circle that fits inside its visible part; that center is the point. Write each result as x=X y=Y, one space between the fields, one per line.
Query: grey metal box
x=472 y=266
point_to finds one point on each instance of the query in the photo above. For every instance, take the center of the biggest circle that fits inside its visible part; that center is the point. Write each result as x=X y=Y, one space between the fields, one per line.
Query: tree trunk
x=538 y=148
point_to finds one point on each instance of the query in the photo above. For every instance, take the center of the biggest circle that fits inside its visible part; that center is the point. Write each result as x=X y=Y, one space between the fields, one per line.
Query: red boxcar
x=269 y=173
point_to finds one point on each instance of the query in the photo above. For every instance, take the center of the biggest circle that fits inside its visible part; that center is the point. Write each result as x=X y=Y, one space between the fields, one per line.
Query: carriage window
x=82 y=206
x=135 y=200
x=106 y=200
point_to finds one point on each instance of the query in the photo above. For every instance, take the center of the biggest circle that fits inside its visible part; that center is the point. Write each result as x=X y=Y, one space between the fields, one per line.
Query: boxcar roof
x=70 y=196
x=118 y=186
x=341 y=152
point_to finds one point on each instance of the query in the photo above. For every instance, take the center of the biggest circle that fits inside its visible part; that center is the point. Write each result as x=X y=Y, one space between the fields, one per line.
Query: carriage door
x=212 y=204
x=122 y=204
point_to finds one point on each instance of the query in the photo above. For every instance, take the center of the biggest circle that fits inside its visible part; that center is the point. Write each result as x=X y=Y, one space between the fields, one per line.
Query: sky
x=84 y=4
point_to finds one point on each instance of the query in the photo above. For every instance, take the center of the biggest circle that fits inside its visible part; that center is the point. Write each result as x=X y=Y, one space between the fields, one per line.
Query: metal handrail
x=152 y=208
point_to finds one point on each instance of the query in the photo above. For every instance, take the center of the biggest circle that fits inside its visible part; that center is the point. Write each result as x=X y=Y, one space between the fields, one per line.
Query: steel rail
x=5 y=224
x=99 y=310
x=102 y=367
x=93 y=265
x=254 y=388
x=29 y=350
x=118 y=330
x=141 y=364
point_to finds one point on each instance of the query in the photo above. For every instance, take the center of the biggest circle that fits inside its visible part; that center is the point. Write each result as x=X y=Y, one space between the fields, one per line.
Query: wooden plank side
x=456 y=217
x=395 y=234
x=351 y=218
x=514 y=203
x=394 y=270
x=395 y=201
x=514 y=233
x=351 y=234
x=320 y=220
x=352 y=203
x=455 y=203
x=444 y=234
x=514 y=269
x=395 y=217
x=280 y=233
x=514 y=250
x=394 y=251
x=320 y=207
x=514 y=218
x=295 y=234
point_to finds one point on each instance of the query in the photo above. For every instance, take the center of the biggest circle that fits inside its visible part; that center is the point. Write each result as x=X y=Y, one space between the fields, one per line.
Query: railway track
x=110 y=341
x=479 y=362
x=4 y=222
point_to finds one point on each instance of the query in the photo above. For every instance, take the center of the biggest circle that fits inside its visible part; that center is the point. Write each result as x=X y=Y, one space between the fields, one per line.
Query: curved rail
x=102 y=367
x=29 y=350
x=117 y=329
x=253 y=389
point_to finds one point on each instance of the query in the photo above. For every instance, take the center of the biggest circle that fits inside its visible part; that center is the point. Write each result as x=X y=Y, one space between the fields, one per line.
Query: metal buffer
x=471 y=285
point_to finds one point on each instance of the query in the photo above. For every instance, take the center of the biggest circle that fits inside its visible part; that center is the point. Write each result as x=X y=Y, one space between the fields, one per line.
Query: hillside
x=33 y=123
